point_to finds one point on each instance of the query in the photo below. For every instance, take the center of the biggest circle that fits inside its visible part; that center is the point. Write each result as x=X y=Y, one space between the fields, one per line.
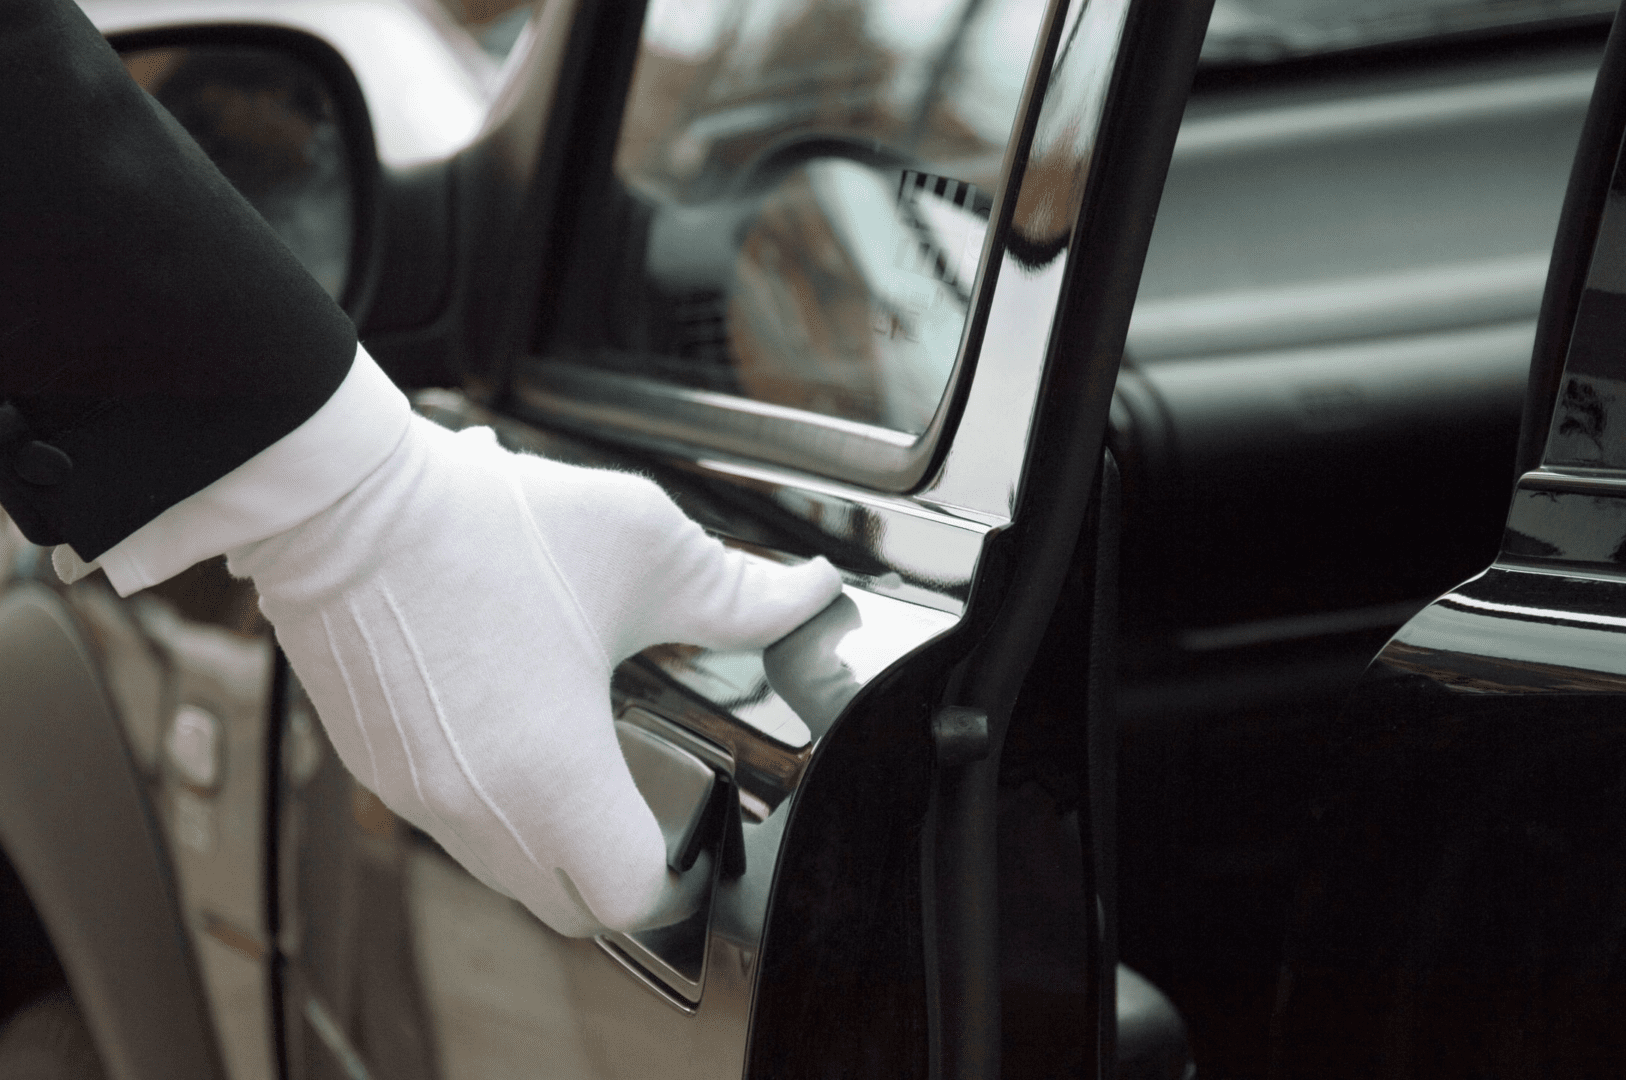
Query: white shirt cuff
x=290 y=481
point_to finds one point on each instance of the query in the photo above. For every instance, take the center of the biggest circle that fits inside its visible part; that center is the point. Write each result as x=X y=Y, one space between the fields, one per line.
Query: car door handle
x=676 y=784
x=687 y=783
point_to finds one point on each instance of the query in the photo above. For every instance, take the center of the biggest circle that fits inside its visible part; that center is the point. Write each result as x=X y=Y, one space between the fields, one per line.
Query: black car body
x=1083 y=700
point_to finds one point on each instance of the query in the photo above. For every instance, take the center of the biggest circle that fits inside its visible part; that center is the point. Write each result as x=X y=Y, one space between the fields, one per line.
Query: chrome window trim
x=1570 y=478
x=954 y=529
x=858 y=452
x=969 y=461
x=587 y=399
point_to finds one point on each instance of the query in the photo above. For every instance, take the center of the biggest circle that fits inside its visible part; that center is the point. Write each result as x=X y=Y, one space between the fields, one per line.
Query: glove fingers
x=726 y=599
x=479 y=709
x=645 y=574
x=453 y=619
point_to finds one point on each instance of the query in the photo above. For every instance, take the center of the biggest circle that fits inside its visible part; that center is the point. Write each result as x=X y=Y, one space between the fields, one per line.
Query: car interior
x=1316 y=422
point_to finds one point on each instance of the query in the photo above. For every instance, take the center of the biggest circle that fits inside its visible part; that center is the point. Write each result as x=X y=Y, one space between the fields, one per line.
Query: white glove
x=455 y=619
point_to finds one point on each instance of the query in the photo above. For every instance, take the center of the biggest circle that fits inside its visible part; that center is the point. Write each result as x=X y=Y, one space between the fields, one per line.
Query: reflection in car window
x=800 y=194
x=494 y=24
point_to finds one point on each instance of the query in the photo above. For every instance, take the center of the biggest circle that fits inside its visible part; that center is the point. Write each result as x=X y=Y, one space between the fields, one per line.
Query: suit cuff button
x=42 y=464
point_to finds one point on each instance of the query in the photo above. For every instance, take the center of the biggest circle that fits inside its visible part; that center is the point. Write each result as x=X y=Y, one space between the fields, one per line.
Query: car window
x=494 y=24
x=801 y=192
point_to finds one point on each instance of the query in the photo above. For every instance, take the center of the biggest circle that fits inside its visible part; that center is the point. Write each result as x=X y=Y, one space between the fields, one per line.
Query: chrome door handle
x=687 y=783
x=675 y=783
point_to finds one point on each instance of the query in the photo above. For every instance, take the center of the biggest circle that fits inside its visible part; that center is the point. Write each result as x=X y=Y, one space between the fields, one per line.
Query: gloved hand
x=455 y=619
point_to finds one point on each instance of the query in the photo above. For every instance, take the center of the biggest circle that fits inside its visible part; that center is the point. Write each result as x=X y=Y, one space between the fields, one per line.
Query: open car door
x=1462 y=902
x=850 y=279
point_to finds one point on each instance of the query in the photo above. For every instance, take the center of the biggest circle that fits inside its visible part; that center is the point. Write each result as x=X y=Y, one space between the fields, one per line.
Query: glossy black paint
x=1294 y=495
x=1457 y=914
x=1160 y=49
x=1256 y=594
x=1458 y=903
x=1559 y=521
x=802 y=517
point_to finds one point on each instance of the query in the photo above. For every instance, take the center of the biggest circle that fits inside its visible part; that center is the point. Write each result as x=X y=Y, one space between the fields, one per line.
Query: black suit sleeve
x=154 y=332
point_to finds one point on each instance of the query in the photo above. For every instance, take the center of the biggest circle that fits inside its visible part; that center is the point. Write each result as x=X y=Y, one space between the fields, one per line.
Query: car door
x=1460 y=897
x=846 y=288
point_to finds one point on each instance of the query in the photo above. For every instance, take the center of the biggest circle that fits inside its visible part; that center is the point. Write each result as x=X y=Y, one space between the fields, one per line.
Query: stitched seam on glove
x=539 y=542
x=446 y=729
x=355 y=702
x=406 y=747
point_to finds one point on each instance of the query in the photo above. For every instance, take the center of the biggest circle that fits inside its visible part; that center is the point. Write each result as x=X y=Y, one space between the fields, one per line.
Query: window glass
x=799 y=199
x=495 y=25
x=1586 y=430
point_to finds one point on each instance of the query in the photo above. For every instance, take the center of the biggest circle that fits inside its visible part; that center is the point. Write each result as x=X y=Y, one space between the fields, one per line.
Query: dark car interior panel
x=1316 y=422
x=1457 y=882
